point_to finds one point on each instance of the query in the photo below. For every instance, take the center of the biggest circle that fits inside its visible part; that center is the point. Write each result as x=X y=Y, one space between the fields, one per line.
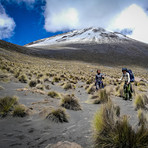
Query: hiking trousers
x=99 y=85
x=128 y=90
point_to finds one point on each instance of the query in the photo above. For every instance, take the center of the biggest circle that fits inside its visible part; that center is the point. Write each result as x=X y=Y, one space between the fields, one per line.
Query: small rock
x=64 y=144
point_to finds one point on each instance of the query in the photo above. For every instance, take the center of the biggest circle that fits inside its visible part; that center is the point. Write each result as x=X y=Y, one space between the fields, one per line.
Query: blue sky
x=24 y=21
x=29 y=22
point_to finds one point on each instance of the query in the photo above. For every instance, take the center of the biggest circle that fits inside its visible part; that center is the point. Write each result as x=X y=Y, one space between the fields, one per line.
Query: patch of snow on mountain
x=87 y=35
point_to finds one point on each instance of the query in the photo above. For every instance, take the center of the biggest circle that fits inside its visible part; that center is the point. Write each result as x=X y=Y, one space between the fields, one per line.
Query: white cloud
x=134 y=18
x=110 y=14
x=73 y=14
x=7 y=24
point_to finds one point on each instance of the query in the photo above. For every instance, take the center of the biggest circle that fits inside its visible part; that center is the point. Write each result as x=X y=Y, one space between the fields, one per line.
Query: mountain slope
x=94 y=45
x=87 y=35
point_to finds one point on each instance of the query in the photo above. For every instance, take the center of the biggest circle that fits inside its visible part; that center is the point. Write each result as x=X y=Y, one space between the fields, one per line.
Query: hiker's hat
x=124 y=69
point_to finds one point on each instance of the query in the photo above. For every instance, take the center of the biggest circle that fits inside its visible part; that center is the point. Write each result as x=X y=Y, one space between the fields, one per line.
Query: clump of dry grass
x=58 y=115
x=1 y=88
x=145 y=99
x=47 y=87
x=138 y=102
x=70 y=102
x=23 y=78
x=91 y=89
x=68 y=85
x=141 y=83
x=54 y=94
x=142 y=89
x=40 y=86
x=119 y=91
x=20 y=111
x=110 y=131
x=101 y=97
x=7 y=104
x=56 y=79
x=32 y=83
x=142 y=117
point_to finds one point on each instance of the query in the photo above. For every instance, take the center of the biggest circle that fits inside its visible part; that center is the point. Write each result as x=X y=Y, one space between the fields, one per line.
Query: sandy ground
x=34 y=131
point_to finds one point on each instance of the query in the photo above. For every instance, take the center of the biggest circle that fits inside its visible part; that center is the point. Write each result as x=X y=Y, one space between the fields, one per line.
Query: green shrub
x=32 y=83
x=58 y=115
x=19 y=111
x=7 y=104
x=70 y=102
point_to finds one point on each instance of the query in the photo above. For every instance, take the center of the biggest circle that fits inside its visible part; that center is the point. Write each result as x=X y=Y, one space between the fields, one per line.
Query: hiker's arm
x=102 y=76
x=128 y=81
x=121 y=78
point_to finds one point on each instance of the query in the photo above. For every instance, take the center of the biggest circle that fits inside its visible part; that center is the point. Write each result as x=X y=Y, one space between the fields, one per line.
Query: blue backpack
x=132 y=78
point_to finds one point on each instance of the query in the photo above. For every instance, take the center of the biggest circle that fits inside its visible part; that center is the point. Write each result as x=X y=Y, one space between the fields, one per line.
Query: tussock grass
x=119 y=91
x=32 y=83
x=145 y=99
x=56 y=79
x=58 y=115
x=7 y=104
x=101 y=97
x=40 y=86
x=90 y=81
x=91 y=89
x=1 y=88
x=110 y=131
x=68 y=85
x=54 y=94
x=47 y=87
x=142 y=117
x=142 y=89
x=141 y=83
x=139 y=103
x=23 y=78
x=70 y=102
x=19 y=111
x=104 y=97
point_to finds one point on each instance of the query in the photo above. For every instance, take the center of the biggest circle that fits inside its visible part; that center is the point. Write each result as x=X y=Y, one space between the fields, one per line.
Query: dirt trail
x=33 y=131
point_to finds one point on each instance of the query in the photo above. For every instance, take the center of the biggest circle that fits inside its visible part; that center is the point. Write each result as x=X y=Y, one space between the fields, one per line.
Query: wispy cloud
x=7 y=24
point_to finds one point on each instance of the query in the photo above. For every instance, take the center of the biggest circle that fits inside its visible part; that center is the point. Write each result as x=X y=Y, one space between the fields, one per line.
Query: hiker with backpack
x=98 y=80
x=128 y=77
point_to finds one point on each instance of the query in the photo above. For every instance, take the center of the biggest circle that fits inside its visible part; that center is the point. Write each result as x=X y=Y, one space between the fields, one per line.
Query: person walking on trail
x=98 y=80
x=127 y=85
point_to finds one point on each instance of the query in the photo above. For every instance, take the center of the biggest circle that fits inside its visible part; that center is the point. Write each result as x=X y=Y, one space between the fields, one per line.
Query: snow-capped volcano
x=87 y=35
